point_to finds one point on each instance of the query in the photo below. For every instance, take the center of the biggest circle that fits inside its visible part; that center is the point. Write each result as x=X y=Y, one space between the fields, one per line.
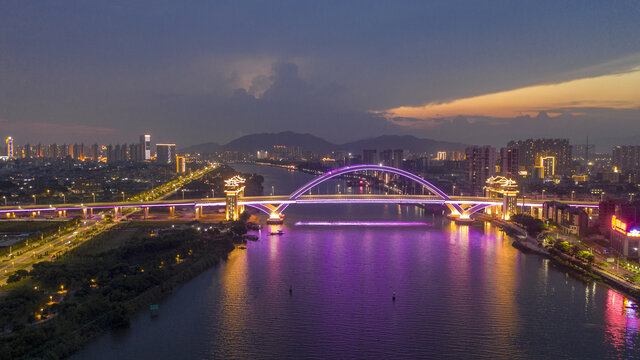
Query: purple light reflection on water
x=360 y=223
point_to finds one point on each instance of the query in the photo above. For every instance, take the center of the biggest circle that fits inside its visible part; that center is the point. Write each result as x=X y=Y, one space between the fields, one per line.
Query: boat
x=279 y=232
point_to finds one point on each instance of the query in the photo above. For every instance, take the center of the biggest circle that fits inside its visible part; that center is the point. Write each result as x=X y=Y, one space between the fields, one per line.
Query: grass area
x=58 y=306
x=28 y=226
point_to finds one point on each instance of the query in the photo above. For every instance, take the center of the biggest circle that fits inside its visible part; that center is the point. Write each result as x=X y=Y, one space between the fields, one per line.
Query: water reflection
x=621 y=321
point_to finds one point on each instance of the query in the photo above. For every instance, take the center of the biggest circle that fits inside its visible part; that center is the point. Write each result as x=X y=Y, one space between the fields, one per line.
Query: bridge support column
x=146 y=212
x=464 y=219
x=116 y=213
x=198 y=212
x=84 y=213
x=275 y=218
x=172 y=212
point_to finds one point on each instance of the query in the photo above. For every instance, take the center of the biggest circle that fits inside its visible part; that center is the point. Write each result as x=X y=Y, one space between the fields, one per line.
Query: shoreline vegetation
x=580 y=264
x=57 y=307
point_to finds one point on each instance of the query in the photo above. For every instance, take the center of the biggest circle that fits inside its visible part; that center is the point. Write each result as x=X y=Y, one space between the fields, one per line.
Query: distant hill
x=405 y=142
x=265 y=141
x=308 y=142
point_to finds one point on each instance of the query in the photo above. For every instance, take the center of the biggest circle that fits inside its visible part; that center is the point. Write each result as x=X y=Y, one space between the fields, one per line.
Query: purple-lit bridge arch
x=276 y=210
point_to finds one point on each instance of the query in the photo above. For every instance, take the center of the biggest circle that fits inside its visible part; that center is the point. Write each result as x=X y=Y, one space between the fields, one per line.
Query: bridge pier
x=84 y=213
x=198 y=211
x=172 y=212
x=117 y=213
x=146 y=212
x=275 y=219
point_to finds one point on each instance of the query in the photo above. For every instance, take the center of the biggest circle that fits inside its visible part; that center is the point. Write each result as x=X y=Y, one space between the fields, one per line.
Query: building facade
x=480 y=165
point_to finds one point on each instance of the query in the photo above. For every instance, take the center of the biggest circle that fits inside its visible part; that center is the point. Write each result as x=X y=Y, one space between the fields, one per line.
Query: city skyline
x=458 y=72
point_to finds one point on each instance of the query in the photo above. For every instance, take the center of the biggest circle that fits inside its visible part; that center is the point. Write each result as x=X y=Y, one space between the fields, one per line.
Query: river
x=461 y=292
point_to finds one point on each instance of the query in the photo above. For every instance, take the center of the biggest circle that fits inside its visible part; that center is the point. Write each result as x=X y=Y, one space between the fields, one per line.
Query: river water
x=461 y=292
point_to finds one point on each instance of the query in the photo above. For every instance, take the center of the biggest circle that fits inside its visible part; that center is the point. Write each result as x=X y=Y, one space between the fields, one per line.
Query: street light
x=5 y=200
x=182 y=194
x=94 y=196
x=601 y=195
x=34 y=199
x=453 y=192
x=64 y=199
x=122 y=192
x=543 y=191
x=213 y=193
x=572 y=193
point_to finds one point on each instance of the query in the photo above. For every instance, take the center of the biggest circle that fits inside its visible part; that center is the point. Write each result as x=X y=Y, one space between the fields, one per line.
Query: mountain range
x=308 y=142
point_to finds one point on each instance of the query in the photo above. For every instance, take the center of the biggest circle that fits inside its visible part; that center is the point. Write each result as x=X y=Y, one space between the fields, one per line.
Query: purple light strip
x=360 y=223
x=372 y=167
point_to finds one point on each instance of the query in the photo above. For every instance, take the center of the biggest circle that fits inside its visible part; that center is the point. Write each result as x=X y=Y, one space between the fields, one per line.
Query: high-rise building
x=398 y=156
x=531 y=151
x=509 y=162
x=369 y=156
x=181 y=166
x=481 y=165
x=626 y=157
x=165 y=153
x=95 y=152
x=9 y=142
x=548 y=164
x=386 y=157
x=145 y=144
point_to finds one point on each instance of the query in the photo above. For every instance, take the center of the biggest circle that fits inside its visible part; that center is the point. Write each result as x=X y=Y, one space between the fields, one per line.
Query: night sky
x=197 y=71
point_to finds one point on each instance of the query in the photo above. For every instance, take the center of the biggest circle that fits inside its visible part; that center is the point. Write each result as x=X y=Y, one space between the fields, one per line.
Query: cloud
x=615 y=91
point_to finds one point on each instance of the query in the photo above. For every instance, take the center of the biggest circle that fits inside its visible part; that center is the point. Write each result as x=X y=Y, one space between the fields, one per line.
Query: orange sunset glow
x=617 y=91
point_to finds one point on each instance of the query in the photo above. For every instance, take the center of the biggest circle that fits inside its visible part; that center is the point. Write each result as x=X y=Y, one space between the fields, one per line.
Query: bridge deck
x=276 y=200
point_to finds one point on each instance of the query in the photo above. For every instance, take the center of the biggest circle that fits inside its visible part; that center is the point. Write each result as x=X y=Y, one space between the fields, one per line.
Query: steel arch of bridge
x=369 y=167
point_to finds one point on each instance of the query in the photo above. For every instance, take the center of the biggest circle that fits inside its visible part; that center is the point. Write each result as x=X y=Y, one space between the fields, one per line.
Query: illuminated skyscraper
x=145 y=143
x=166 y=153
x=548 y=163
x=9 y=142
x=181 y=167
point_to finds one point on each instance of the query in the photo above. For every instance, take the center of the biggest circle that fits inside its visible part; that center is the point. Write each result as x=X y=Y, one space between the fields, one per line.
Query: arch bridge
x=461 y=208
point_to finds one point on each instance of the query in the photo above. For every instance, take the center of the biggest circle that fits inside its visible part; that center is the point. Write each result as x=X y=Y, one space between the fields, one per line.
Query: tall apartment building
x=398 y=156
x=166 y=153
x=532 y=151
x=509 y=162
x=369 y=156
x=481 y=165
x=626 y=157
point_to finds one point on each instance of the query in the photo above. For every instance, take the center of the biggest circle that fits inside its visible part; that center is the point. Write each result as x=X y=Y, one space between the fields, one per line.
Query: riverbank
x=580 y=269
x=94 y=288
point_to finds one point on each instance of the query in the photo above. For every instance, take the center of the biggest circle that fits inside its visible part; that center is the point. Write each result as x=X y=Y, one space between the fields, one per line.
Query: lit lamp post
x=34 y=199
x=182 y=194
x=543 y=191
x=5 y=200
x=601 y=195
x=213 y=193
x=453 y=192
x=94 y=197
x=572 y=193
x=122 y=192
x=64 y=199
